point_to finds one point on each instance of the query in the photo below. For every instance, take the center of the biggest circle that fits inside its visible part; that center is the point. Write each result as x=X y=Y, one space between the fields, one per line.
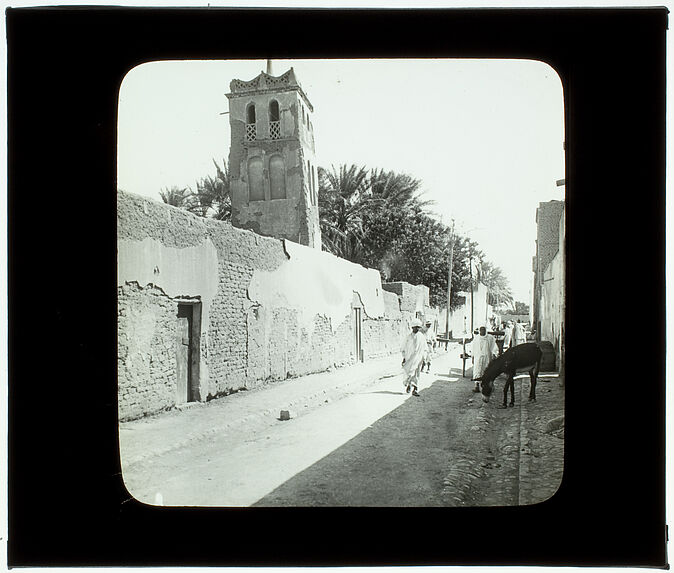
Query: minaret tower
x=274 y=179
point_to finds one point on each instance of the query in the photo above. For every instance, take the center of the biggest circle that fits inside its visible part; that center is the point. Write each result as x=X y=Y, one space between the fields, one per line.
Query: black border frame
x=67 y=504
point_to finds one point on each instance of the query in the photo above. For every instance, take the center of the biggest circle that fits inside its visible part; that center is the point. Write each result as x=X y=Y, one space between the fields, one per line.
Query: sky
x=485 y=137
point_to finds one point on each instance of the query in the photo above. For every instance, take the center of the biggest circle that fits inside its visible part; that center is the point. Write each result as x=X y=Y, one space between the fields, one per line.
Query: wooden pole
x=470 y=271
x=449 y=279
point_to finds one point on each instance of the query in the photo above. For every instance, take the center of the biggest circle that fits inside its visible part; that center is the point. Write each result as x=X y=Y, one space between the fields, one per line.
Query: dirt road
x=378 y=446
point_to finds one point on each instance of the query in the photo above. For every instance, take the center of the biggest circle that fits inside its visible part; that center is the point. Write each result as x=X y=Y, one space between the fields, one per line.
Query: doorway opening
x=188 y=351
x=358 y=322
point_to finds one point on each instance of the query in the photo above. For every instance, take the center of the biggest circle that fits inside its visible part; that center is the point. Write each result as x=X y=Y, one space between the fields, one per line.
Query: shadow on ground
x=400 y=460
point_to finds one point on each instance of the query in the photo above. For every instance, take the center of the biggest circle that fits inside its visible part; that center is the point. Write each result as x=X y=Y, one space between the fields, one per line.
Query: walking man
x=484 y=349
x=413 y=350
x=430 y=341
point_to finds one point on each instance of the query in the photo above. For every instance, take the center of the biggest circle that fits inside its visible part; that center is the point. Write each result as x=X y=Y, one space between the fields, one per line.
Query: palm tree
x=396 y=189
x=492 y=277
x=176 y=196
x=212 y=198
x=343 y=197
x=351 y=198
x=223 y=212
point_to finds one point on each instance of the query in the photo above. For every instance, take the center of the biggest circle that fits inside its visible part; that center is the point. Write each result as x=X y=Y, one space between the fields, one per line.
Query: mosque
x=207 y=308
x=272 y=158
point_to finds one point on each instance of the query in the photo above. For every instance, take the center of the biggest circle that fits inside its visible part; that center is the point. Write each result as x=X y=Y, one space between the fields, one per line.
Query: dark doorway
x=187 y=352
x=358 y=334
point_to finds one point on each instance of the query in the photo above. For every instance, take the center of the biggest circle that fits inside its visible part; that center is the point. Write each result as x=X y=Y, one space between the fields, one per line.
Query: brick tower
x=274 y=184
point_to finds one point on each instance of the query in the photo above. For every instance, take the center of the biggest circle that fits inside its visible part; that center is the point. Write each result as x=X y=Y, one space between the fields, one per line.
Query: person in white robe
x=507 y=336
x=429 y=334
x=484 y=349
x=414 y=350
x=519 y=336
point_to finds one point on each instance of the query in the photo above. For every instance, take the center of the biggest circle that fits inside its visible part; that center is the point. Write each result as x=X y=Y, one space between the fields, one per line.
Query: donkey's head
x=491 y=372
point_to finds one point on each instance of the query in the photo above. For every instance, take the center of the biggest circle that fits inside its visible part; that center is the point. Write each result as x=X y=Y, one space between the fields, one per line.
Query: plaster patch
x=316 y=283
x=190 y=271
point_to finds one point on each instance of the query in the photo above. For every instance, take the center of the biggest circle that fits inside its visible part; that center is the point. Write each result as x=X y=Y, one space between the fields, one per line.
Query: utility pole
x=449 y=277
x=470 y=271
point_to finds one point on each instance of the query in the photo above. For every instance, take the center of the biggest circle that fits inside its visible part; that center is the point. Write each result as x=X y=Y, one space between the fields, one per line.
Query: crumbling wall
x=270 y=309
x=146 y=351
x=385 y=335
x=231 y=347
x=413 y=298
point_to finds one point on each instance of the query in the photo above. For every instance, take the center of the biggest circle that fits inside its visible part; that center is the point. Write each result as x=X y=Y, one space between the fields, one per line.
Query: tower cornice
x=264 y=83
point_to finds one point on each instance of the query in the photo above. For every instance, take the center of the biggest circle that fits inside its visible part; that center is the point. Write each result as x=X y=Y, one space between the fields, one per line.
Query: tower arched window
x=251 y=129
x=255 y=179
x=273 y=110
x=277 y=177
x=274 y=120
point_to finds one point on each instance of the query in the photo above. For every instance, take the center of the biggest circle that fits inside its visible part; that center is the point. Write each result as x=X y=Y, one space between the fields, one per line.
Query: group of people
x=485 y=347
x=417 y=352
x=514 y=334
x=418 y=349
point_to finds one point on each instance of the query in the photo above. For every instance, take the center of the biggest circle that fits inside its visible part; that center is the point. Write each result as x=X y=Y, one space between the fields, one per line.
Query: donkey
x=520 y=358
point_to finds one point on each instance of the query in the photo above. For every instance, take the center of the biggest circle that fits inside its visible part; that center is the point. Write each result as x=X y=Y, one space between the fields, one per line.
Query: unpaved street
x=402 y=459
x=378 y=446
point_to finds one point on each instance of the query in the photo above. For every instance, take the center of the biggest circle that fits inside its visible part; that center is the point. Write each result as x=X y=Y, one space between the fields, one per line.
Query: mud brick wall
x=139 y=218
x=548 y=217
x=249 y=333
x=413 y=298
x=146 y=351
x=382 y=337
x=161 y=247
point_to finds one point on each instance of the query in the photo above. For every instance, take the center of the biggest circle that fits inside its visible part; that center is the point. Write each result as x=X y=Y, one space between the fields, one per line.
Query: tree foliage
x=401 y=189
x=212 y=195
x=343 y=197
x=210 y=199
x=175 y=196
x=379 y=219
x=492 y=277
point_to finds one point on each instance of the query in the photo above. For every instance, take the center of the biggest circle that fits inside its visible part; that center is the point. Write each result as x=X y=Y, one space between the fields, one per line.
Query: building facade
x=548 y=216
x=549 y=268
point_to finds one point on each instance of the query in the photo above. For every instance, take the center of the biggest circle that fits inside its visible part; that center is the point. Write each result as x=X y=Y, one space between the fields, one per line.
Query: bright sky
x=485 y=137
